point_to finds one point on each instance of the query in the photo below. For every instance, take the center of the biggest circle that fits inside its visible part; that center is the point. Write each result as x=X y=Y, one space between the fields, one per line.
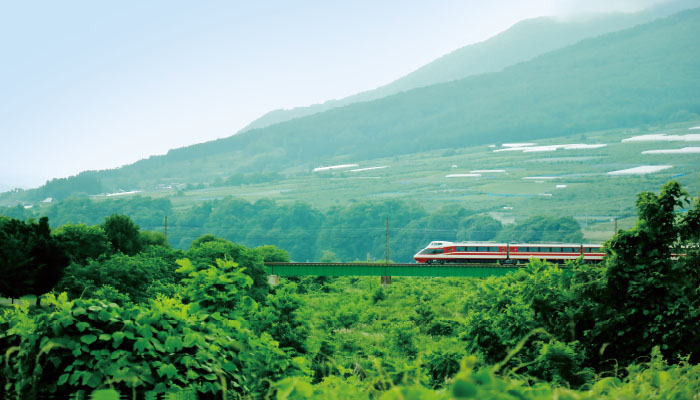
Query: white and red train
x=507 y=253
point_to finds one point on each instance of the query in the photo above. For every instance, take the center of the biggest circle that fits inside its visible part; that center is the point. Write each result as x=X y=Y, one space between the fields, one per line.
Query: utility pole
x=386 y=279
x=386 y=239
x=165 y=228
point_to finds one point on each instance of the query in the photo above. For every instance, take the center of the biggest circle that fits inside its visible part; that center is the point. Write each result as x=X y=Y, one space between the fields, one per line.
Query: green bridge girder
x=373 y=269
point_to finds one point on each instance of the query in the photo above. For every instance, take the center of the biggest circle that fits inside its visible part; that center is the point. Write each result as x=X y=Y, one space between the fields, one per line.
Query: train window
x=543 y=249
x=432 y=251
x=493 y=248
x=471 y=248
x=460 y=248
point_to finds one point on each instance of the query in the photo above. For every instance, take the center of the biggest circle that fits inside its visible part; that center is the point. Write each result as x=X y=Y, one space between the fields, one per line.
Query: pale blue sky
x=96 y=84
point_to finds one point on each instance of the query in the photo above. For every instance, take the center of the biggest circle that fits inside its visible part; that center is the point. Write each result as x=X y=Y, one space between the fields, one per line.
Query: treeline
x=352 y=232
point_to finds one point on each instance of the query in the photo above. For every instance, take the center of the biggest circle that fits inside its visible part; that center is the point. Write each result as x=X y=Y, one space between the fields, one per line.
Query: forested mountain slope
x=646 y=74
x=521 y=42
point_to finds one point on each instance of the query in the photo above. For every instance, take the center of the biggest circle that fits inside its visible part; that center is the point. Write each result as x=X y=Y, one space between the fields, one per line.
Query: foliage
x=83 y=184
x=252 y=178
x=541 y=228
x=544 y=331
x=479 y=228
x=123 y=234
x=86 y=344
x=82 y=242
x=31 y=260
x=222 y=288
x=152 y=238
x=208 y=250
x=280 y=318
x=273 y=253
x=130 y=275
x=328 y=256
x=651 y=296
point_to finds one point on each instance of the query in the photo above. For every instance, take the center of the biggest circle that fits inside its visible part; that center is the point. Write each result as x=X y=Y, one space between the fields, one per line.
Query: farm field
x=510 y=183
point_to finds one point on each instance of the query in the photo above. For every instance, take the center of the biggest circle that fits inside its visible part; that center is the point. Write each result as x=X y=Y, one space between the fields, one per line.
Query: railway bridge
x=385 y=271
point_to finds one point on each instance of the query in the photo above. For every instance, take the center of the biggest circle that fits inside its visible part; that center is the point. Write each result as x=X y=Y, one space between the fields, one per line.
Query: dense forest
x=120 y=311
x=352 y=232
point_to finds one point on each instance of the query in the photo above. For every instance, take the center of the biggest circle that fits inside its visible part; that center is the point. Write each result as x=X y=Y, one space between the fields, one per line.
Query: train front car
x=462 y=252
x=435 y=252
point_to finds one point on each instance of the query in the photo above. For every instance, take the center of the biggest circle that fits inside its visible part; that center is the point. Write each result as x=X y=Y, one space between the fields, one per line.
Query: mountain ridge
x=523 y=41
x=646 y=74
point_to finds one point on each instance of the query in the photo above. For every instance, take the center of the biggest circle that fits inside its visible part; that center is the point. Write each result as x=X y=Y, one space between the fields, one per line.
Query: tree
x=152 y=238
x=652 y=291
x=273 y=253
x=31 y=260
x=82 y=242
x=328 y=256
x=122 y=233
x=205 y=251
x=479 y=227
x=131 y=275
x=543 y=228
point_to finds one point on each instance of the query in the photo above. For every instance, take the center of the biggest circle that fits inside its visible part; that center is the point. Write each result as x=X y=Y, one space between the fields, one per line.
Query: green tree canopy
x=652 y=291
x=543 y=228
x=479 y=227
x=122 y=233
x=82 y=242
x=152 y=238
x=273 y=253
x=204 y=253
x=31 y=260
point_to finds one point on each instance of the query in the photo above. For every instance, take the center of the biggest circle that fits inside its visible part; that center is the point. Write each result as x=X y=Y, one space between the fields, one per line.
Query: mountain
x=644 y=75
x=647 y=74
x=521 y=42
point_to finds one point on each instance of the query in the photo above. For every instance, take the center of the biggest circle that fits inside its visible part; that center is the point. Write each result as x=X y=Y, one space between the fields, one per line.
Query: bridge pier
x=386 y=280
x=273 y=280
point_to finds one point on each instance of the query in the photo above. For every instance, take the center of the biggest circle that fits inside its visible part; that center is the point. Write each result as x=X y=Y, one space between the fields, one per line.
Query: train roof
x=444 y=243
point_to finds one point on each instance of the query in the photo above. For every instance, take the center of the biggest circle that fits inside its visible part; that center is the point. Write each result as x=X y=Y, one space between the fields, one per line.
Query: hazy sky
x=97 y=84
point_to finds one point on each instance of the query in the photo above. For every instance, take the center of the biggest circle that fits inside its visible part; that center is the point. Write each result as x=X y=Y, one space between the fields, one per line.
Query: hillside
x=644 y=75
x=521 y=42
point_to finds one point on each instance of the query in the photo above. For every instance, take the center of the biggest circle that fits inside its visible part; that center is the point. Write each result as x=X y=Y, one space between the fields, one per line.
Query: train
x=443 y=252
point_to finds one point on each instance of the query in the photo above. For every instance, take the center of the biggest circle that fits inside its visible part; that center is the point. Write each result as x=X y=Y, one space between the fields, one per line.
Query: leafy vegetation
x=31 y=260
x=205 y=322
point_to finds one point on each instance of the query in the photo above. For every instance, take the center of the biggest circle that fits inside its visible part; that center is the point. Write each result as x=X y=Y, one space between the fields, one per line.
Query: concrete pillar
x=273 y=280
x=386 y=280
